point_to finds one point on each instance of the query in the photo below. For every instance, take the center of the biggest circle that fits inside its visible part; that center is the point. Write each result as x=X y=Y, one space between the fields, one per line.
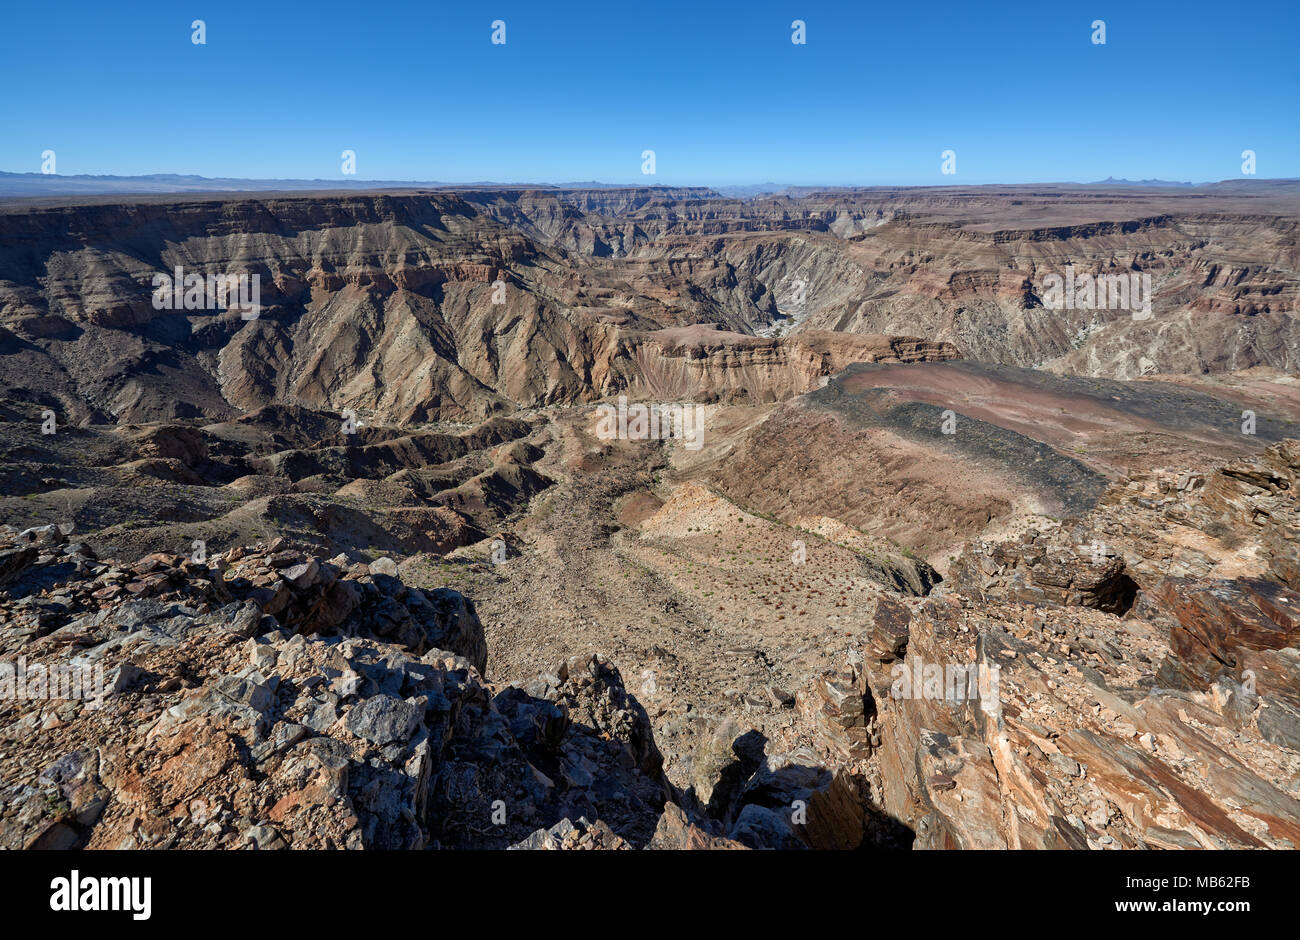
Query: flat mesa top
x=985 y=208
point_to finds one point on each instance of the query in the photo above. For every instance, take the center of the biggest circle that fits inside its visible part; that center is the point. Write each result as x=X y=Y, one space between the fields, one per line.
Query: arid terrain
x=370 y=570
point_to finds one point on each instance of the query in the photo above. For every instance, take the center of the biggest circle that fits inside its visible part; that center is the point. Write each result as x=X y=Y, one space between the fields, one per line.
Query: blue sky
x=719 y=92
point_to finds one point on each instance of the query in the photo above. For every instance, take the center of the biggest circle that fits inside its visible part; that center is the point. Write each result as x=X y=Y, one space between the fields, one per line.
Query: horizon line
x=769 y=185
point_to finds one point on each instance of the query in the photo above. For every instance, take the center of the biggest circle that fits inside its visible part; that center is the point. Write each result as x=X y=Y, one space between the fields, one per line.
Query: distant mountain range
x=1111 y=181
x=40 y=184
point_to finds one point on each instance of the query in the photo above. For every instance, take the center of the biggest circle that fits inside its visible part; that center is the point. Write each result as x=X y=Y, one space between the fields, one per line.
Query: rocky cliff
x=453 y=305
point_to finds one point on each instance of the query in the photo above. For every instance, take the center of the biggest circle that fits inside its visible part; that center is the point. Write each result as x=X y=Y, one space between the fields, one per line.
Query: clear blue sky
x=721 y=95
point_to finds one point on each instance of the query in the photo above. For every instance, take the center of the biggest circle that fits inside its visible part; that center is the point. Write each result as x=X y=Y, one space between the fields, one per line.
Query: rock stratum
x=940 y=569
x=458 y=304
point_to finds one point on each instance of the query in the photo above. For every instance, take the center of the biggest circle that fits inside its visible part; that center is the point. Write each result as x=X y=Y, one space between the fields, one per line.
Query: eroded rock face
x=92 y=600
x=390 y=303
x=1212 y=624
x=1081 y=746
x=450 y=306
x=1063 y=568
x=1021 y=707
x=1257 y=497
x=702 y=363
x=1234 y=520
x=274 y=701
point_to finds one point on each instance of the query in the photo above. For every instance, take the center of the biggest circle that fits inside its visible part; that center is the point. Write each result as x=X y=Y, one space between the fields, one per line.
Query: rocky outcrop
x=1074 y=743
x=1027 y=705
x=1064 y=568
x=1212 y=625
x=568 y=836
x=840 y=705
x=70 y=598
x=1257 y=496
x=274 y=701
x=704 y=364
x=677 y=833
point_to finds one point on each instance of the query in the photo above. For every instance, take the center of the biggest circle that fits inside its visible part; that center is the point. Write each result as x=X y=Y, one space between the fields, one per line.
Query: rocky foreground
x=1127 y=679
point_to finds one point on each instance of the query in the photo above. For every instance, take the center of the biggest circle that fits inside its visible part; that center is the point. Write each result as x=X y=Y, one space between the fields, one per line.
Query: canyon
x=366 y=571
